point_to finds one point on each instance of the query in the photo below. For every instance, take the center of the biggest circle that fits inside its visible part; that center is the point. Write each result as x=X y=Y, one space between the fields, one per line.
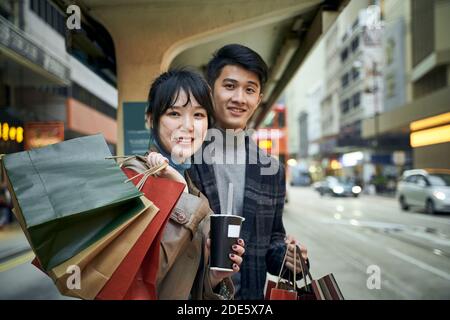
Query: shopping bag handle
x=304 y=269
x=145 y=174
x=282 y=267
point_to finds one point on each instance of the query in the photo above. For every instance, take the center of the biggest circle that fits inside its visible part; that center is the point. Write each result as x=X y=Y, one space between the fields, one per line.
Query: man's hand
x=236 y=257
x=291 y=243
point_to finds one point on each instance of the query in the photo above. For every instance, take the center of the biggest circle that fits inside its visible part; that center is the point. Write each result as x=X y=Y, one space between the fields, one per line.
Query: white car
x=425 y=188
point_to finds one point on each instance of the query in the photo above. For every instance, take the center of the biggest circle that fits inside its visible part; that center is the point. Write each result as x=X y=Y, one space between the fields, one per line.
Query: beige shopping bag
x=98 y=262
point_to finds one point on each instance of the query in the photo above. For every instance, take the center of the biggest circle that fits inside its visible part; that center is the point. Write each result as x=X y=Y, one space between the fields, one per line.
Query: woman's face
x=182 y=128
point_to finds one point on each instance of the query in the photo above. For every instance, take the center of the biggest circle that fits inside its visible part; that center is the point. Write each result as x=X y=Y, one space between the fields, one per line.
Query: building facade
x=417 y=78
x=55 y=83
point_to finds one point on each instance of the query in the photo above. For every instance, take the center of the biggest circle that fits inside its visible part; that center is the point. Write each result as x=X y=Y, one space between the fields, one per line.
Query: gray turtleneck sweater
x=230 y=168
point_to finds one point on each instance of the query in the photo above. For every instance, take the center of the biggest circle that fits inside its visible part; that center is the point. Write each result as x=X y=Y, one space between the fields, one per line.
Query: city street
x=349 y=237
x=353 y=237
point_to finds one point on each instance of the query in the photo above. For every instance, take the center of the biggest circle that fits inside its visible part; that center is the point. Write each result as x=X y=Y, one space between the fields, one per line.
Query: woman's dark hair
x=166 y=88
x=239 y=55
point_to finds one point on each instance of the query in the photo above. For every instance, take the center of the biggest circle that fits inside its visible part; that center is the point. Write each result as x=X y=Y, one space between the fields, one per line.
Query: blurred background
x=357 y=107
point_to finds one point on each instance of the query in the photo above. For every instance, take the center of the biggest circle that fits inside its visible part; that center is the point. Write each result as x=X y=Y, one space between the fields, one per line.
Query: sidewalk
x=12 y=241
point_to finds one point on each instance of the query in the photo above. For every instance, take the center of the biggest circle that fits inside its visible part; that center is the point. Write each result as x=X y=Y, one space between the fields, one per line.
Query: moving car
x=427 y=189
x=338 y=187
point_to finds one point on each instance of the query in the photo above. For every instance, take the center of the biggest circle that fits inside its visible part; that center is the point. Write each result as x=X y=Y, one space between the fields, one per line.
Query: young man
x=237 y=76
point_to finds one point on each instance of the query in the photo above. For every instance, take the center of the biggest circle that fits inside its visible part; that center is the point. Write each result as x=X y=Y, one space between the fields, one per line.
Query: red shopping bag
x=281 y=290
x=135 y=278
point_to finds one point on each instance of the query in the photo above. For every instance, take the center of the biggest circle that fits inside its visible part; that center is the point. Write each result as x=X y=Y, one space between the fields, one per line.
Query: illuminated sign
x=430 y=122
x=11 y=133
x=430 y=136
x=351 y=159
x=40 y=134
x=265 y=144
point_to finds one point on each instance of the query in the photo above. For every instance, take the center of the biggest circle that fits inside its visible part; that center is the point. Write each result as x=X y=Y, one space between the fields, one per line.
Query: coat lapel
x=252 y=180
x=211 y=192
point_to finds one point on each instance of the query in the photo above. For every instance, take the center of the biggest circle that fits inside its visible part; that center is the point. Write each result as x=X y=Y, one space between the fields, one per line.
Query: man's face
x=237 y=94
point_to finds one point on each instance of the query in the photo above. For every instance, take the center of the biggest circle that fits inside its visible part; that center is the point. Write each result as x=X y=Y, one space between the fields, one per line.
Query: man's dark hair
x=166 y=88
x=238 y=55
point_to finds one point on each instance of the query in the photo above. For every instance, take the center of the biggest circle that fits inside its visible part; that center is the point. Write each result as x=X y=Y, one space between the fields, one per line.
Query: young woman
x=179 y=113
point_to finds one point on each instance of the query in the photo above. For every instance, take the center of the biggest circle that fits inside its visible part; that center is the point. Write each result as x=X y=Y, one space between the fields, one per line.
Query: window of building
x=6 y=10
x=281 y=120
x=344 y=55
x=422 y=26
x=50 y=14
x=355 y=44
x=355 y=24
x=345 y=106
x=345 y=80
x=356 y=100
x=41 y=8
x=93 y=47
x=355 y=73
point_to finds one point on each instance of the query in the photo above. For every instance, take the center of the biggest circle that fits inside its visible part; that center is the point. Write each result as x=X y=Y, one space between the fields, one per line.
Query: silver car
x=428 y=189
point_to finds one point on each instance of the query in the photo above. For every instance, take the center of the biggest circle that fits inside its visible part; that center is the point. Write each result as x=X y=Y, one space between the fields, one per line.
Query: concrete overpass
x=150 y=36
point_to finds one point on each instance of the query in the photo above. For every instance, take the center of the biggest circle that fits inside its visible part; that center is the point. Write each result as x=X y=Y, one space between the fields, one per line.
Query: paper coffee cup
x=225 y=231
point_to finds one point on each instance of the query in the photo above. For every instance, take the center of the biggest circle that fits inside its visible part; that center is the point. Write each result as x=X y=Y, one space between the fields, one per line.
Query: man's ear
x=260 y=99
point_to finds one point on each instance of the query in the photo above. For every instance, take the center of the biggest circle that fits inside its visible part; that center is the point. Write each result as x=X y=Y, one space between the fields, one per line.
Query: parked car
x=338 y=187
x=300 y=177
x=427 y=189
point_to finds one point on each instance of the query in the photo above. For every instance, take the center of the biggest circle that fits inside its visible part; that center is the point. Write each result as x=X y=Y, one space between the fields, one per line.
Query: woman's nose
x=188 y=122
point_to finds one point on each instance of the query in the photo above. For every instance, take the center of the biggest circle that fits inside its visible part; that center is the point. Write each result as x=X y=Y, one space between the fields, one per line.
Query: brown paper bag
x=59 y=274
x=98 y=262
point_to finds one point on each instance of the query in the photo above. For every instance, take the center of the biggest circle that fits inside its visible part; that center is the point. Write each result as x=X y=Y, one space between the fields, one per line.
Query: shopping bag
x=135 y=278
x=325 y=288
x=100 y=269
x=283 y=290
x=65 y=195
x=97 y=263
x=85 y=256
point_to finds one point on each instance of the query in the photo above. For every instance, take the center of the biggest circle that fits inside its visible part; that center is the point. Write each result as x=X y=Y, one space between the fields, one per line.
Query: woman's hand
x=236 y=257
x=155 y=159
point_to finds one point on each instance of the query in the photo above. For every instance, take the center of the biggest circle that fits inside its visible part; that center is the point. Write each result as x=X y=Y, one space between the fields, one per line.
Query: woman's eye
x=229 y=86
x=200 y=115
x=173 y=114
x=251 y=90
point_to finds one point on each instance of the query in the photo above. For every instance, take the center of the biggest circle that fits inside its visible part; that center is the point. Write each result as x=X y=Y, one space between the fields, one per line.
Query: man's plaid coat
x=262 y=230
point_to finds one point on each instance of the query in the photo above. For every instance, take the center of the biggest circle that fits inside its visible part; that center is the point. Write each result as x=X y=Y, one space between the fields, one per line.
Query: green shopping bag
x=67 y=195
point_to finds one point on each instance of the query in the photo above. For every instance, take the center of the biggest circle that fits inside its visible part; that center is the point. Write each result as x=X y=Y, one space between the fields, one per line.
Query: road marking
x=420 y=264
x=365 y=223
x=16 y=261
